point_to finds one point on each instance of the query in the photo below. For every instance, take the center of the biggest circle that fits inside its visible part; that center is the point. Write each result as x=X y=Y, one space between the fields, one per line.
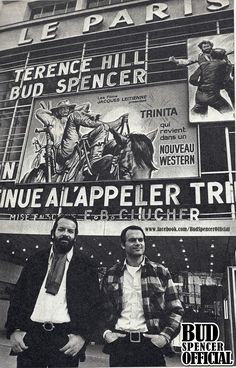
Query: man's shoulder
x=116 y=267
x=114 y=270
x=37 y=260
x=158 y=268
x=205 y=63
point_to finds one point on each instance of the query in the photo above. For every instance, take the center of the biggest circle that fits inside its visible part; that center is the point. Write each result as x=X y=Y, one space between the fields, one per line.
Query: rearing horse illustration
x=132 y=155
x=93 y=156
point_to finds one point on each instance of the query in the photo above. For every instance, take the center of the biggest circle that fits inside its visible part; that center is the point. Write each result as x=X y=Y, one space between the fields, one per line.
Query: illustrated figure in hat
x=205 y=55
x=210 y=78
x=59 y=155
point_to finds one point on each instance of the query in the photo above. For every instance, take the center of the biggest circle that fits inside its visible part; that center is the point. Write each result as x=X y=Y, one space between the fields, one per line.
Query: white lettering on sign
x=217 y=4
x=91 y=21
x=122 y=18
x=30 y=90
x=165 y=194
x=77 y=80
x=96 y=22
x=23 y=40
x=156 y=10
x=49 y=31
x=8 y=170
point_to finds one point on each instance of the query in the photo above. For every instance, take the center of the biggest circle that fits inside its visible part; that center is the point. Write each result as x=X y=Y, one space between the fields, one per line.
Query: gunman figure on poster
x=210 y=77
x=59 y=153
x=64 y=155
x=204 y=56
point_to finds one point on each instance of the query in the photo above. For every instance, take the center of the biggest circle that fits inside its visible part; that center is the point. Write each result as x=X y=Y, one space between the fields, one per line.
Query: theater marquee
x=90 y=21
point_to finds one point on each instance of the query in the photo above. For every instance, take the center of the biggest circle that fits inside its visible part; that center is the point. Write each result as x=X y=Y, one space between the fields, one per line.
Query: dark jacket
x=82 y=292
x=210 y=76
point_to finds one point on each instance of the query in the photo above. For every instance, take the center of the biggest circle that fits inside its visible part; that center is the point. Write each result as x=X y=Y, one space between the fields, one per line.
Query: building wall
x=10 y=13
x=72 y=28
x=9 y=272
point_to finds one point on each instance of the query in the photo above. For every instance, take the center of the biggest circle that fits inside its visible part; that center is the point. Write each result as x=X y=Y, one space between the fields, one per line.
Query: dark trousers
x=229 y=87
x=43 y=350
x=124 y=353
x=210 y=98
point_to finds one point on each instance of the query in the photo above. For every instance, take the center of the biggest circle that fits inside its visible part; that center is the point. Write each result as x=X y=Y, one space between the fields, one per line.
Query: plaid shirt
x=162 y=308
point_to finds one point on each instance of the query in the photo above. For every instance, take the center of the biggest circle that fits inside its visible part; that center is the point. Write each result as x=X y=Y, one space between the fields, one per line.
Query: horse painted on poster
x=132 y=156
x=96 y=157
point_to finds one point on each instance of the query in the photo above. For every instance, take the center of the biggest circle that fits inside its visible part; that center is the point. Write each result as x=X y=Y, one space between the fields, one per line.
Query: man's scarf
x=55 y=274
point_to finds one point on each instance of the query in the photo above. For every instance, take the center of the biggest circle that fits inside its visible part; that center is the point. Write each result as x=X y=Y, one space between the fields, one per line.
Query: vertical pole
x=146 y=57
x=229 y=163
x=81 y=62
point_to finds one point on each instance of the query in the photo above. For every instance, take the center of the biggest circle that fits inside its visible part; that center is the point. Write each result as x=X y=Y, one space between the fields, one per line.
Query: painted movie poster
x=123 y=135
x=211 y=78
x=97 y=122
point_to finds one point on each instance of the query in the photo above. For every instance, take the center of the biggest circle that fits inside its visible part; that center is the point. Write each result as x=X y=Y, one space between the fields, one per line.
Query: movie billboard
x=121 y=135
x=211 y=78
x=99 y=126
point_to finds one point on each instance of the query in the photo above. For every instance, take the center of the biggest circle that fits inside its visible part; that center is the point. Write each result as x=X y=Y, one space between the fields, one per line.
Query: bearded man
x=56 y=303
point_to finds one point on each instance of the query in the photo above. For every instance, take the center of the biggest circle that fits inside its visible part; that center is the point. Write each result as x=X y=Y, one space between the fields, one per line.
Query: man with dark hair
x=62 y=125
x=142 y=309
x=210 y=78
x=206 y=47
x=56 y=303
x=63 y=150
x=131 y=227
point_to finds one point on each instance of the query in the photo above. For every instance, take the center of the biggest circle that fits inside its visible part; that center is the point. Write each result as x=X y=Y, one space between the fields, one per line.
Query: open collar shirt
x=132 y=315
x=52 y=308
x=162 y=308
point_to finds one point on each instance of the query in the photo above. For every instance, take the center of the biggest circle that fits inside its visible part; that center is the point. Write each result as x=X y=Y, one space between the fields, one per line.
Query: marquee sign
x=162 y=200
x=89 y=21
x=112 y=70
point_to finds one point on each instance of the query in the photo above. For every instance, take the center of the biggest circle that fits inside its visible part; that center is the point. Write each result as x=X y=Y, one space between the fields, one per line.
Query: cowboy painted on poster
x=118 y=136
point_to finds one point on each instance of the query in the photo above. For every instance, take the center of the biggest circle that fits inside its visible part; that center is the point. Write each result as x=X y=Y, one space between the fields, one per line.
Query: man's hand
x=172 y=59
x=159 y=340
x=112 y=336
x=46 y=105
x=74 y=345
x=17 y=342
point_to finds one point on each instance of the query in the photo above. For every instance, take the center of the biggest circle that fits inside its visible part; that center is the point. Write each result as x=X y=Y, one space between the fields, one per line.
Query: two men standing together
x=57 y=305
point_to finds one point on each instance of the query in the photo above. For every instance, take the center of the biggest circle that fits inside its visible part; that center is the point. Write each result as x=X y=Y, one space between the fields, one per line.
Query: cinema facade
x=110 y=59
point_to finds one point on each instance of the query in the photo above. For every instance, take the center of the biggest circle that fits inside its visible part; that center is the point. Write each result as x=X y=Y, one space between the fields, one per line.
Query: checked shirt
x=161 y=305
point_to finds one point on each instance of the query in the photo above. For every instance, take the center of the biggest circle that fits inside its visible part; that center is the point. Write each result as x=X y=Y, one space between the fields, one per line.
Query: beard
x=63 y=244
x=207 y=51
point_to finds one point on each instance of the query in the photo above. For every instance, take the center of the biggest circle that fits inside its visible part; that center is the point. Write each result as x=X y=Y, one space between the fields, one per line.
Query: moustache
x=64 y=237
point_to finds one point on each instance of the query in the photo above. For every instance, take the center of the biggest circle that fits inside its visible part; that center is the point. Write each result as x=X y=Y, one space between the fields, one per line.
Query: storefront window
x=53 y=9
